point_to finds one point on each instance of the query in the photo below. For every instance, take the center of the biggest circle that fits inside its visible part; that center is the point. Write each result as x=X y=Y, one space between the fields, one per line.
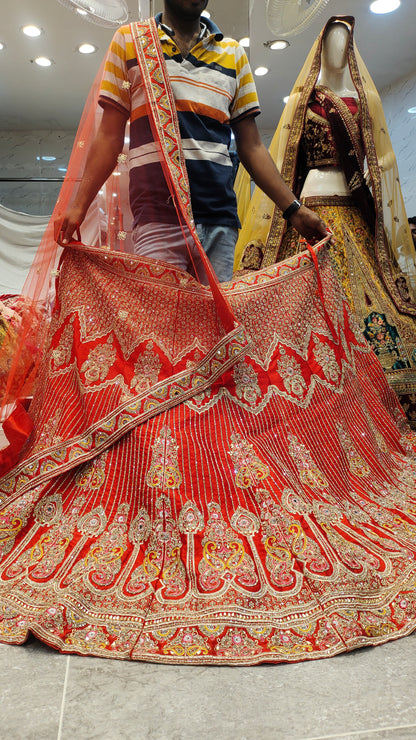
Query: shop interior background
x=40 y=106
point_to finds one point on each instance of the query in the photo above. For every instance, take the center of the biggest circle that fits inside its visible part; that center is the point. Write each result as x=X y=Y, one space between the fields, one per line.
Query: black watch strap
x=290 y=210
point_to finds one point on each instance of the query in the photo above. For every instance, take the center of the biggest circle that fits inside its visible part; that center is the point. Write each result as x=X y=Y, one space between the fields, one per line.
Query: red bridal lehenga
x=216 y=474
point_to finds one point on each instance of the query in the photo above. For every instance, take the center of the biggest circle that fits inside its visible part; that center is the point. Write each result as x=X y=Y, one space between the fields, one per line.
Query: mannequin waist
x=325 y=181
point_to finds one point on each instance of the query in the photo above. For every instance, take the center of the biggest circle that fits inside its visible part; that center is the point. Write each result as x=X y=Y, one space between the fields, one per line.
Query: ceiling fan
x=109 y=13
x=291 y=17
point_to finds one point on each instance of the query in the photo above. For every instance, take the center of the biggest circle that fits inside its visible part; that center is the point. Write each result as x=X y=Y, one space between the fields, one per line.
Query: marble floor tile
x=406 y=732
x=363 y=694
x=31 y=691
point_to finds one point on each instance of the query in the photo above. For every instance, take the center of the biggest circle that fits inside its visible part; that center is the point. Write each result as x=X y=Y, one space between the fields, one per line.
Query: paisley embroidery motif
x=325 y=356
x=290 y=370
x=309 y=473
x=246 y=384
x=224 y=559
x=164 y=470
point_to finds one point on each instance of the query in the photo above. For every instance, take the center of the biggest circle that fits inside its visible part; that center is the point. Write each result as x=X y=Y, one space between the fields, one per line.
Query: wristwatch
x=290 y=210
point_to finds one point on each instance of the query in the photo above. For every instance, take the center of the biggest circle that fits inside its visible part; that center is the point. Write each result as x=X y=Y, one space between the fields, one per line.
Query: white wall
x=396 y=100
x=22 y=156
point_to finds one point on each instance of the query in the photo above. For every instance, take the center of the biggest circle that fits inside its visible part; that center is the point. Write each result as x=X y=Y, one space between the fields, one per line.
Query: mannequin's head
x=335 y=46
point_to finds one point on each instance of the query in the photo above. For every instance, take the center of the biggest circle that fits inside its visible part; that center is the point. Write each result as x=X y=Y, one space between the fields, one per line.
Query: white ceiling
x=36 y=98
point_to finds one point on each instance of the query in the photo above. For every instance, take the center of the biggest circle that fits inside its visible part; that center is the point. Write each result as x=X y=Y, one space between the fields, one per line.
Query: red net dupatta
x=108 y=225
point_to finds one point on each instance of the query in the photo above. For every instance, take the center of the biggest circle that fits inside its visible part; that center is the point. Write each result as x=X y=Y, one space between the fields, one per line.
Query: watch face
x=294 y=206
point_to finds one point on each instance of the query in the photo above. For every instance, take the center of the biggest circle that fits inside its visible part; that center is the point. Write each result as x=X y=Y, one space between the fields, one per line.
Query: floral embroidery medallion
x=246 y=383
x=99 y=361
x=248 y=468
x=146 y=369
x=291 y=374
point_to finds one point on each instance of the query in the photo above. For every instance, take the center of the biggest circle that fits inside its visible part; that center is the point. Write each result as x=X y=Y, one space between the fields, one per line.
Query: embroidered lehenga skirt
x=188 y=499
x=390 y=332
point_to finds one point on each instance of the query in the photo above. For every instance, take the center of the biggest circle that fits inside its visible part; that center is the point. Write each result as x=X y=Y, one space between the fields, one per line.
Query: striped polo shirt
x=213 y=88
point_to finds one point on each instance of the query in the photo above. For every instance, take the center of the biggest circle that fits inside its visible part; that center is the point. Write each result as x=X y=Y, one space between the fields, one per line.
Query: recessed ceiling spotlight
x=1 y=45
x=384 y=6
x=43 y=61
x=32 y=31
x=277 y=44
x=261 y=71
x=87 y=48
x=245 y=41
x=206 y=13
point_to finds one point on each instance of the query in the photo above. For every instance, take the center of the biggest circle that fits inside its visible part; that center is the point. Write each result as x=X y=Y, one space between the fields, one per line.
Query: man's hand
x=309 y=225
x=64 y=227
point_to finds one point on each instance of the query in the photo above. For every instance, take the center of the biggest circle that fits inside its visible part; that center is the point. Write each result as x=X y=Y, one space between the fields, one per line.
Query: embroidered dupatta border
x=165 y=125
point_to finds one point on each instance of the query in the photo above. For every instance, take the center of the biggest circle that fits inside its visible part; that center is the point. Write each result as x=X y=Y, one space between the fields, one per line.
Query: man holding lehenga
x=216 y=474
x=215 y=94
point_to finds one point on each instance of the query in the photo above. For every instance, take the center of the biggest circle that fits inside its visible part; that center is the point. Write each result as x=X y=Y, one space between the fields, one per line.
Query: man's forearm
x=266 y=176
x=260 y=166
x=101 y=161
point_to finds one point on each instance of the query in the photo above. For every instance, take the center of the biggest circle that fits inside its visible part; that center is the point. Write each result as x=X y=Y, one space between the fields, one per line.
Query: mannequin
x=336 y=76
x=333 y=149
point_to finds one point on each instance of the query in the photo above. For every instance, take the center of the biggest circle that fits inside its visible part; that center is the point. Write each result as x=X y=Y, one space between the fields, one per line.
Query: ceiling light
x=286 y=98
x=245 y=41
x=43 y=61
x=261 y=71
x=412 y=110
x=206 y=13
x=87 y=48
x=48 y=159
x=32 y=31
x=1 y=45
x=384 y=6
x=62 y=169
x=277 y=44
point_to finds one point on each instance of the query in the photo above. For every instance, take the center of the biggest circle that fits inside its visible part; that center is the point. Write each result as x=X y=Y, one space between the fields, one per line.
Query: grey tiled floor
x=369 y=694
